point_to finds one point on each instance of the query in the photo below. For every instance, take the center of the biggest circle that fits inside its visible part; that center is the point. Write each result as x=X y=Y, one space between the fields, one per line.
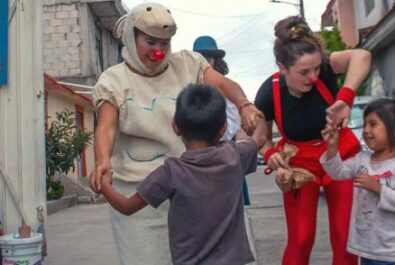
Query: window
x=99 y=44
x=386 y=6
x=79 y=126
x=369 y=6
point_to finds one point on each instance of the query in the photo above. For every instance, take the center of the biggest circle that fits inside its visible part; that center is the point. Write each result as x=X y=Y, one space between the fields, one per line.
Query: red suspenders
x=321 y=87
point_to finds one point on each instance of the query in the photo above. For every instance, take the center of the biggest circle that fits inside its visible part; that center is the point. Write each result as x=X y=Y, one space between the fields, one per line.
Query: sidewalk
x=82 y=234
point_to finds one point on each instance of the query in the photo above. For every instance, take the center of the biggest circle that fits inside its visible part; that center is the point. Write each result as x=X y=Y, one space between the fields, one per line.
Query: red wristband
x=347 y=95
x=269 y=153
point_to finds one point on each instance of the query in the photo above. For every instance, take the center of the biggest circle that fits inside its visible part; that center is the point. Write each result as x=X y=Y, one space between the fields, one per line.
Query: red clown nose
x=313 y=79
x=159 y=55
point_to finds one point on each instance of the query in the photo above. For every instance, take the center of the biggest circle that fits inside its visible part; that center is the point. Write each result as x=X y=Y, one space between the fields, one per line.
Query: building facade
x=368 y=24
x=77 y=38
x=78 y=45
x=22 y=152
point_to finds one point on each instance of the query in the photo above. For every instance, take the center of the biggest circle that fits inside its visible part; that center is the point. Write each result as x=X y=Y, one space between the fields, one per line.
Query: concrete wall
x=62 y=39
x=347 y=25
x=365 y=19
x=70 y=46
x=22 y=152
x=383 y=61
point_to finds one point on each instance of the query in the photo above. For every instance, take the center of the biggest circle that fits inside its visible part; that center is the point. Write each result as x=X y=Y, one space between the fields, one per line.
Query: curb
x=250 y=236
x=61 y=204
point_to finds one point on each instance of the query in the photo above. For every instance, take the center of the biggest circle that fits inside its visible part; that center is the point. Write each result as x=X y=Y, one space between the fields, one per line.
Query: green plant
x=63 y=144
x=333 y=42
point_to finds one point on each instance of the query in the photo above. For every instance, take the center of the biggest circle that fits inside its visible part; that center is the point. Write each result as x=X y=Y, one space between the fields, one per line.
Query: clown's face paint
x=148 y=48
x=301 y=76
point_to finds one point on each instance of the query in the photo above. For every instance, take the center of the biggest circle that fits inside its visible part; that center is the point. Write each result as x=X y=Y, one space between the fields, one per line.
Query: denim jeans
x=365 y=261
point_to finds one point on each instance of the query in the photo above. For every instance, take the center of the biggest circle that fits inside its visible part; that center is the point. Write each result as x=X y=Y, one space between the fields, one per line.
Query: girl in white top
x=372 y=226
x=135 y=102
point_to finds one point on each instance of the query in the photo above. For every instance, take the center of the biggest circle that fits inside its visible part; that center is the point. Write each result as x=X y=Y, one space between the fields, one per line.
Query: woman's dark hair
x=221 y=66
x=294 y=38
x=200 y=112
x=385 y=110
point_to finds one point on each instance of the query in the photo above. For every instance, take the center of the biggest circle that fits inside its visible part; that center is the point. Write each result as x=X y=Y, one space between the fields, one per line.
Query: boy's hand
x=260 y=133
x=367 y=182
x=95 y=178
x=107 y=179
x=250 y=116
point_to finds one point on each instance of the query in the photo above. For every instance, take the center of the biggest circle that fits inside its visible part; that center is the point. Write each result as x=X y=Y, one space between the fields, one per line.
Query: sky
x=243 y=28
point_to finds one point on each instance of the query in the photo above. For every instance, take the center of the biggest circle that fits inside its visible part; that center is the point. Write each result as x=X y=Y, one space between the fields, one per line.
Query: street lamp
x=299 y=6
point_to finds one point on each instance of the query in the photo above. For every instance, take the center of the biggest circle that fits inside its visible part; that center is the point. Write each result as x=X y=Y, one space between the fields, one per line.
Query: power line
x=251 y=70
x=240 y=30
x=230 y=52
x=209 y=15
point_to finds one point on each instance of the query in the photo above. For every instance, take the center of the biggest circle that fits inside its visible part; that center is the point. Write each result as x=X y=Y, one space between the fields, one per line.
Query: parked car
x=356 y=117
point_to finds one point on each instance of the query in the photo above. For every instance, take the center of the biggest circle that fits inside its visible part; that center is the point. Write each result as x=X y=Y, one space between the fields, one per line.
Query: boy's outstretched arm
x=260 y=133
x=124 y=205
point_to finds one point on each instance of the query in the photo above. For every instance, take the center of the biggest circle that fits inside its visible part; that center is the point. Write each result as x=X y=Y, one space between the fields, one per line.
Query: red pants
x=301 y=215
x=301 y=209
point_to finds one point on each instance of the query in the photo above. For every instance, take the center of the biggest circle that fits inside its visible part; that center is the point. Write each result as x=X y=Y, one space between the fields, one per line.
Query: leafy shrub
x=63 y=145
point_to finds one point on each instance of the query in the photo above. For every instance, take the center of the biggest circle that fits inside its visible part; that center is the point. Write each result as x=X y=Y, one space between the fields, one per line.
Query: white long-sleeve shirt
x=233 y=120
x=372 y=226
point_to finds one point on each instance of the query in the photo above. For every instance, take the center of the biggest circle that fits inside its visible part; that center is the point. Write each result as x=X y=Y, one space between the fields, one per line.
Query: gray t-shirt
x=372 y=225
x=206 y=217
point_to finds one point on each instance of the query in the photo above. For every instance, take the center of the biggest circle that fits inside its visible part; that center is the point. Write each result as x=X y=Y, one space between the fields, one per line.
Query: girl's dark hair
x=385 y=110
x=294 y=38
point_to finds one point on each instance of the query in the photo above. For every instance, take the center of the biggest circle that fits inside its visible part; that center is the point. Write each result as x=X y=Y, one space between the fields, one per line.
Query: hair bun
x=291 y=28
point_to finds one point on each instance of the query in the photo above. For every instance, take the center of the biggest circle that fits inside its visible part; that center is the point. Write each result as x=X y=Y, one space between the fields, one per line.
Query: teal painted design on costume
x=140 y=160
x=153 y=102
x=151 y=109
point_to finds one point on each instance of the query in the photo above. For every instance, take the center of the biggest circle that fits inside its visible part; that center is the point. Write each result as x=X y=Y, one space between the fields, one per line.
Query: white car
x=356 y=117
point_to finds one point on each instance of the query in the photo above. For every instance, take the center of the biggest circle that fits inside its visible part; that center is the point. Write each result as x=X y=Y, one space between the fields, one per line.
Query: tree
x=333 y=42
x=63 y=145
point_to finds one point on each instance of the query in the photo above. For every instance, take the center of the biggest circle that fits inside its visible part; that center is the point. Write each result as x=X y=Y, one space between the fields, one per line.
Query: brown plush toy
x=291 y=178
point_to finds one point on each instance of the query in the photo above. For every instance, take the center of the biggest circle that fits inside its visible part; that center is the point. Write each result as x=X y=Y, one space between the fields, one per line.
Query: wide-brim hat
x=207 y=46
x=154 y=20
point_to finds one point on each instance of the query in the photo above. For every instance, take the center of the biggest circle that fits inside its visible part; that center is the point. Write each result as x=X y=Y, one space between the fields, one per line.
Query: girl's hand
x=250 y=116
x=366 y=182
x=102 y=170
x=338 y=114
x=330 y=135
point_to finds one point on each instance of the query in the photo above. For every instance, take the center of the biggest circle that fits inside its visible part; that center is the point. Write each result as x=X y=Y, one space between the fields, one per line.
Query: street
x=82 y=234
x=267 y=222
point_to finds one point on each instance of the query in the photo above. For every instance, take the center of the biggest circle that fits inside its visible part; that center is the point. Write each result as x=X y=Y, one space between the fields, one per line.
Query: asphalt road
x=267 y=222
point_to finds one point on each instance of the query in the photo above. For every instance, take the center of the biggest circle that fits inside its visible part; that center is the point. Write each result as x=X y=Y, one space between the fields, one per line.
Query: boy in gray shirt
x=206 y=217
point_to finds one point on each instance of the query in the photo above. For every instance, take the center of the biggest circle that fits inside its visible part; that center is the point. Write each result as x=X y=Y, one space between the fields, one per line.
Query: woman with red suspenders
x=298 y=99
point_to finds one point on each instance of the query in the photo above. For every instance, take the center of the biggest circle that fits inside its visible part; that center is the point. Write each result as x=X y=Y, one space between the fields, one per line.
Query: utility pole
x=301 y=9
x=300 y=6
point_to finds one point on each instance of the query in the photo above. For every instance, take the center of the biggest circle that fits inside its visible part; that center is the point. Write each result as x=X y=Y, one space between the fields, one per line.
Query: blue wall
x=3 y=41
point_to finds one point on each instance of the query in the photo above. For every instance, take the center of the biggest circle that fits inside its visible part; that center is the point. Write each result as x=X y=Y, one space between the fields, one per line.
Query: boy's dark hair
x=200 y=112
x=385 y=110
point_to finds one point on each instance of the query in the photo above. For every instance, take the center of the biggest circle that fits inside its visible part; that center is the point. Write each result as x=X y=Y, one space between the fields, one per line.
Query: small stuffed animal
x=291 y=178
